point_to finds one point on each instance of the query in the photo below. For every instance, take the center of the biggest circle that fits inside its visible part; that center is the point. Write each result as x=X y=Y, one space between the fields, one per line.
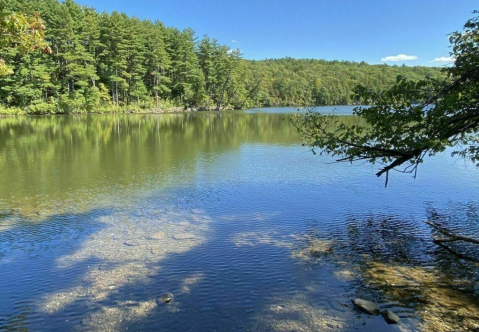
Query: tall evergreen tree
x=113 y=61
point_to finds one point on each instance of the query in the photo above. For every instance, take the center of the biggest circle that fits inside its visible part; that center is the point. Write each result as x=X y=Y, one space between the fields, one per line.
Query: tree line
x=99 y=62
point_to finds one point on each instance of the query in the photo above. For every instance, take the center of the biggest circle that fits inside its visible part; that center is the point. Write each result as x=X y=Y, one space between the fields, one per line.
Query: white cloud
x=444 y=59
x=399 y=57
x=234 y=41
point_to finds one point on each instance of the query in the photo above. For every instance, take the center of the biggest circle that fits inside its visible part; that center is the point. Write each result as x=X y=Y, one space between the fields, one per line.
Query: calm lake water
x=102 y=214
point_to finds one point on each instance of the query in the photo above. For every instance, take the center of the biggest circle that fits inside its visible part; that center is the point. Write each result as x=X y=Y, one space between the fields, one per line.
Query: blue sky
x=356 y=30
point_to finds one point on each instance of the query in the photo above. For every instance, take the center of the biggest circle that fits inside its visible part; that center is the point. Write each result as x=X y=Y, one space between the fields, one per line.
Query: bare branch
x=452 y=236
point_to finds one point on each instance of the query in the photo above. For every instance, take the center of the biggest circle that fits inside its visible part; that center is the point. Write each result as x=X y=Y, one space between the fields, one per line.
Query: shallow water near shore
x=100 y=215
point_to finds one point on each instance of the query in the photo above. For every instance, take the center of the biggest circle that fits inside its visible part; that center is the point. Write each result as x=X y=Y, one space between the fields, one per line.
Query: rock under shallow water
x=131 y=243
x=367 y=306
x=165 y=298
x=184 y=236
x=390 y=317
x=315 y=252
x=157 y=236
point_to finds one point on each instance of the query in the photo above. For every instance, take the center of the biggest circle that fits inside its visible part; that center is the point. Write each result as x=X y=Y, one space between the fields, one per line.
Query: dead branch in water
x=451 y=236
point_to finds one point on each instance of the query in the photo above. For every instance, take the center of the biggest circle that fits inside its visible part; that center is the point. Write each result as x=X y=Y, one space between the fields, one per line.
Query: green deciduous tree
x=22 y=32
x=411 y=119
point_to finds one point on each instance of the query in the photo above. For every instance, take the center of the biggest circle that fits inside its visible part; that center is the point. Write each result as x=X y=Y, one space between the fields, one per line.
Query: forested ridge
x=102 y=62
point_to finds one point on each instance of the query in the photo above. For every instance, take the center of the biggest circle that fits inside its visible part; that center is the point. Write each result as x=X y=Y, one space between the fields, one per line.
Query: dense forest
x=100 y=62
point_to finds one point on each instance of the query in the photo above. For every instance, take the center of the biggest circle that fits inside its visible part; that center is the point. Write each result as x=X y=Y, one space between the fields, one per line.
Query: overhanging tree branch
x=409 y=120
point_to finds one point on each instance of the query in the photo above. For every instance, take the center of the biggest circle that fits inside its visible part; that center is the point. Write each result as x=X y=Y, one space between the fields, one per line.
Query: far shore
x=7 y=112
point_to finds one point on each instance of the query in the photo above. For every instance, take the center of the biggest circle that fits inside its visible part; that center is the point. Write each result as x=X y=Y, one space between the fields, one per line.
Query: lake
x=100 y=215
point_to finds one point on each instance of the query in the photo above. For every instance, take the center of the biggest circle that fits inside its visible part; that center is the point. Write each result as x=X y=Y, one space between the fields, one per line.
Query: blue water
x=102 y=214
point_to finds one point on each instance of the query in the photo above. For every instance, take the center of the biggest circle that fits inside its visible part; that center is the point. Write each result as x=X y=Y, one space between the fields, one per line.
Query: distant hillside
x=319 y=82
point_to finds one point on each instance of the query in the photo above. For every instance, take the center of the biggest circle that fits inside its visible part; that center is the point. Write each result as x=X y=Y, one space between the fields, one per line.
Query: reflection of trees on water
x=56 y=156
x=73 y=150
x=463 y=220
x=394 y=261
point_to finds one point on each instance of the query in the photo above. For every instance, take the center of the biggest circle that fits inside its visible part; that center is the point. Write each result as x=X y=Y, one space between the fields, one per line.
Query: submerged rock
x=165 y=298
x=366 y=306
x=101 y=295
x=130 y=243
x=390 y=317
x=184 y=236
x=157 y=236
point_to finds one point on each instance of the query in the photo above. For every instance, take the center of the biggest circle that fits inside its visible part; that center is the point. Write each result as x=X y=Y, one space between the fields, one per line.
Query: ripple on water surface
x=248 y=231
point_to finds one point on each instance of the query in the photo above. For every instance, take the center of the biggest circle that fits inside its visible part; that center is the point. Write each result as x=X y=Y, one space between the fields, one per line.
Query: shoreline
x=9 y=112
x=107 y=111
